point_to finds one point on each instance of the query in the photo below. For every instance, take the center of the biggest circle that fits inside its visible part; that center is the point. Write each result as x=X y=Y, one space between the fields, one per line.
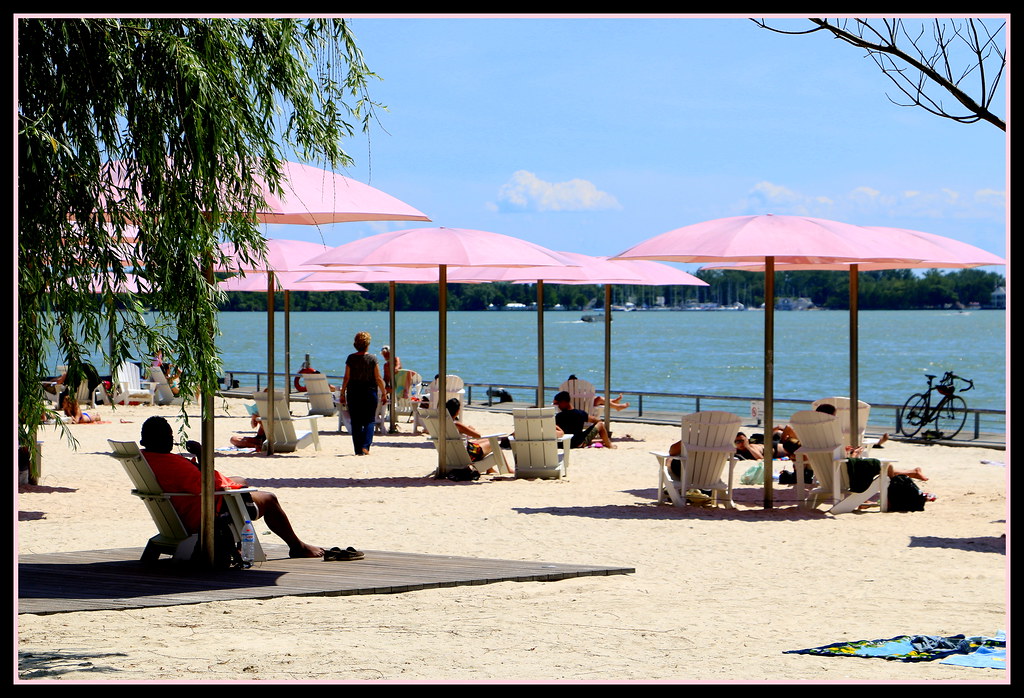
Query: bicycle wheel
x=914 y=414
x=951 y=416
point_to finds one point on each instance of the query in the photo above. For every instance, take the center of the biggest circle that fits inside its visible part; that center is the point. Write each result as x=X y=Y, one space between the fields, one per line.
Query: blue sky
x=592 y=134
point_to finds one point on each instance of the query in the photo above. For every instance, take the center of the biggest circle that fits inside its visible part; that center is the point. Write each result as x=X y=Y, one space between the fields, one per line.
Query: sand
x=717 y=595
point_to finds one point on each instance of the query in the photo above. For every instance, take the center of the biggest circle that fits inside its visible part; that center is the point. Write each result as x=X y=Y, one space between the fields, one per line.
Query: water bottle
x=248 y=544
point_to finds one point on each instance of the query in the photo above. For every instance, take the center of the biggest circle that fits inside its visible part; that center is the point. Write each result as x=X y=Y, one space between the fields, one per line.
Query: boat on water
x=593 y=317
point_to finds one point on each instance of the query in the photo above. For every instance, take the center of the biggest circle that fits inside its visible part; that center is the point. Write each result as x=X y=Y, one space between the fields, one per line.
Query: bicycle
x=949 y=414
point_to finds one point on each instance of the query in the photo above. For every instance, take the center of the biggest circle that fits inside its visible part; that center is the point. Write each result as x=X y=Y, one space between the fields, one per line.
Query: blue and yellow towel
x=986 y=652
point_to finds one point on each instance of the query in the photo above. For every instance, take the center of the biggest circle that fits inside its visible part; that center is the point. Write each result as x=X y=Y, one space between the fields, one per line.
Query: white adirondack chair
x=823 y=449
x=163 y=395
x=842 y=406
x=172 y=537
x=708 y=445
x=129 y=386
x=535 y=444
x=454 y=388
x=582 y=395
x=408 y=385
x=286 y=438
x=456 y=455
x=321 y=398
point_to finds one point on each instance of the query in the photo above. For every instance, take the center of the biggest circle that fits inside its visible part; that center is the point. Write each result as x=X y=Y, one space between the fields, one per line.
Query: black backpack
x=905 y=495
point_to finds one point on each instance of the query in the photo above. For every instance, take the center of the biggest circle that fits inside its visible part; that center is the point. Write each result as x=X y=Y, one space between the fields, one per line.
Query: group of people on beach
x=365 y=386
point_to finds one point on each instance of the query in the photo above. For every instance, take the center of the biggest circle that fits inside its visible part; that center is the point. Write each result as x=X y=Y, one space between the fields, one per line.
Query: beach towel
x=921 y=648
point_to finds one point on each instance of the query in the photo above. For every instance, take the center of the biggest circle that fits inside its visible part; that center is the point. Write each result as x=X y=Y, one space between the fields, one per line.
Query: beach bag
x=463 y=474
x=905 y=495
x=754 y=475
x=226 y=552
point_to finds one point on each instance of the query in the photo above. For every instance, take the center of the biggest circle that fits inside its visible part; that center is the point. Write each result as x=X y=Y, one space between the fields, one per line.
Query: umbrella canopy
x=771 y=238
x=313 y=196
x=789 y=239
x=310 y=196
x=441 y=248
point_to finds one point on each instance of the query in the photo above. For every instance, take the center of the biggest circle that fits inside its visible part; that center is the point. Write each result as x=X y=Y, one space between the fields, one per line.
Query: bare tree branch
x=918 y=65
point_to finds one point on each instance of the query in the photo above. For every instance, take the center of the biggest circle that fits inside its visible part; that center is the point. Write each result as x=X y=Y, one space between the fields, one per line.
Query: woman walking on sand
x=361 y=390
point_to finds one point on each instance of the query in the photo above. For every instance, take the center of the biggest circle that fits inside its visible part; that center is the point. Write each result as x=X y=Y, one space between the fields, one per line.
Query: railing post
x=698 y=404
x=640 y=405
x=977 y=425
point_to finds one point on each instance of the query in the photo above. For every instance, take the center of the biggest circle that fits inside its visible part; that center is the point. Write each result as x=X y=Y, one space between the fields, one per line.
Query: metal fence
x=666 y=408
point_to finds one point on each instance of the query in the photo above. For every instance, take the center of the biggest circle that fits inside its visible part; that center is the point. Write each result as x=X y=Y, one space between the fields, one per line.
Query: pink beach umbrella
x=314 y=196
x=770 y=239
x=310 y=196
x=440 y=248
x=944 y=253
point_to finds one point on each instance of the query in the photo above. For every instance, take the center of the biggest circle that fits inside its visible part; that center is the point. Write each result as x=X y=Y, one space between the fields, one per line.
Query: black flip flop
x=337 y=554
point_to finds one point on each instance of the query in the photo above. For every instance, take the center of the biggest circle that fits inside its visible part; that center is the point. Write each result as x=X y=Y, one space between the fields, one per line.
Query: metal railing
x=666 y=408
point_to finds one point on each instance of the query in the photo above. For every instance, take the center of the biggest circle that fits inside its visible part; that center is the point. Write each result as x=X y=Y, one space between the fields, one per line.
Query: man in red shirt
x=179 y=474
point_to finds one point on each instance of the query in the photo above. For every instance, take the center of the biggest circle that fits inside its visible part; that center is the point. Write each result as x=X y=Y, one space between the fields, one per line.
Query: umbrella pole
x=442 y=367
x=540 y=343
x=287 y=349
x=268 y=419
x=769 y=382
x=608 y=358
x=206 y=511
x=854 y=359
x=392 y=356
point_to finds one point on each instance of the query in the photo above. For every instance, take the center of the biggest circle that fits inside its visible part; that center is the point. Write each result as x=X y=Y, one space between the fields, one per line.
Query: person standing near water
x=361 y=389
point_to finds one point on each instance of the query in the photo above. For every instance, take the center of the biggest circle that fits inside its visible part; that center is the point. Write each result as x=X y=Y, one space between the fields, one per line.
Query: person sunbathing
x=73 y=410
x=176 y=473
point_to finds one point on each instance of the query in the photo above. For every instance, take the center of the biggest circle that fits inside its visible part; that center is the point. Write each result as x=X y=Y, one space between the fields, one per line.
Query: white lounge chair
x=456 y=455
x=172 y=537
x=286 y=438
x=321 y=399
x=582 y=395
x=408 y=385
x=822 y=448
x=454 y=388
x=708 y=445
x=163 y=395
x=129 y=386
x=535 y=444
x=842 y=406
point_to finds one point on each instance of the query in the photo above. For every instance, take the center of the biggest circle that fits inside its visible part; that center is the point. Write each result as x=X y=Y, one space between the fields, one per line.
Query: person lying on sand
x=176 y=473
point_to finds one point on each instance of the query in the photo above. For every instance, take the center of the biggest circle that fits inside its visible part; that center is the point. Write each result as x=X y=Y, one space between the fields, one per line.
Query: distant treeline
x=901 y=289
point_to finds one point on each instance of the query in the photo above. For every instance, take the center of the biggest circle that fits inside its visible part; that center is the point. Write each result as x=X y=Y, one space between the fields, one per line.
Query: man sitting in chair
x=581 y=425
x=176 y=473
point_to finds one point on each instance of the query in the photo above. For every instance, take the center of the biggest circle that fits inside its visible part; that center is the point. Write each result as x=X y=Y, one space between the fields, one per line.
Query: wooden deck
x=115 y=579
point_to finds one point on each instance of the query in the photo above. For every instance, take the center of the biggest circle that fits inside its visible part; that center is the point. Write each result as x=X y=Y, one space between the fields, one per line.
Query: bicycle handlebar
x=952 y=376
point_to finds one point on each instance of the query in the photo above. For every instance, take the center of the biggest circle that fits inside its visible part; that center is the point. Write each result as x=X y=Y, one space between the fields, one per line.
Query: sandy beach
x=717 y=595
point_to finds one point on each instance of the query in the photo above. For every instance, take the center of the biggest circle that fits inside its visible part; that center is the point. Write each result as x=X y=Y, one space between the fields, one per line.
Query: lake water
x=710 y=353
x=720 y=353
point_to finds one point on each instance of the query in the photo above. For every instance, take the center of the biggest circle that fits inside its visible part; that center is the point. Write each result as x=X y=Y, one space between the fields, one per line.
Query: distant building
x=793 y=304
x=999 y=298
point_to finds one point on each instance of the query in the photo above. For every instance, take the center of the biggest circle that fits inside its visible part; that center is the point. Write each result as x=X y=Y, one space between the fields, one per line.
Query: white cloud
x=527 y=192
x=864 y=201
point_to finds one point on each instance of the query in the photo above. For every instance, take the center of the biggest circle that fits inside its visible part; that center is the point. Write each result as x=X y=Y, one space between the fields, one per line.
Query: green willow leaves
x=140 y=146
